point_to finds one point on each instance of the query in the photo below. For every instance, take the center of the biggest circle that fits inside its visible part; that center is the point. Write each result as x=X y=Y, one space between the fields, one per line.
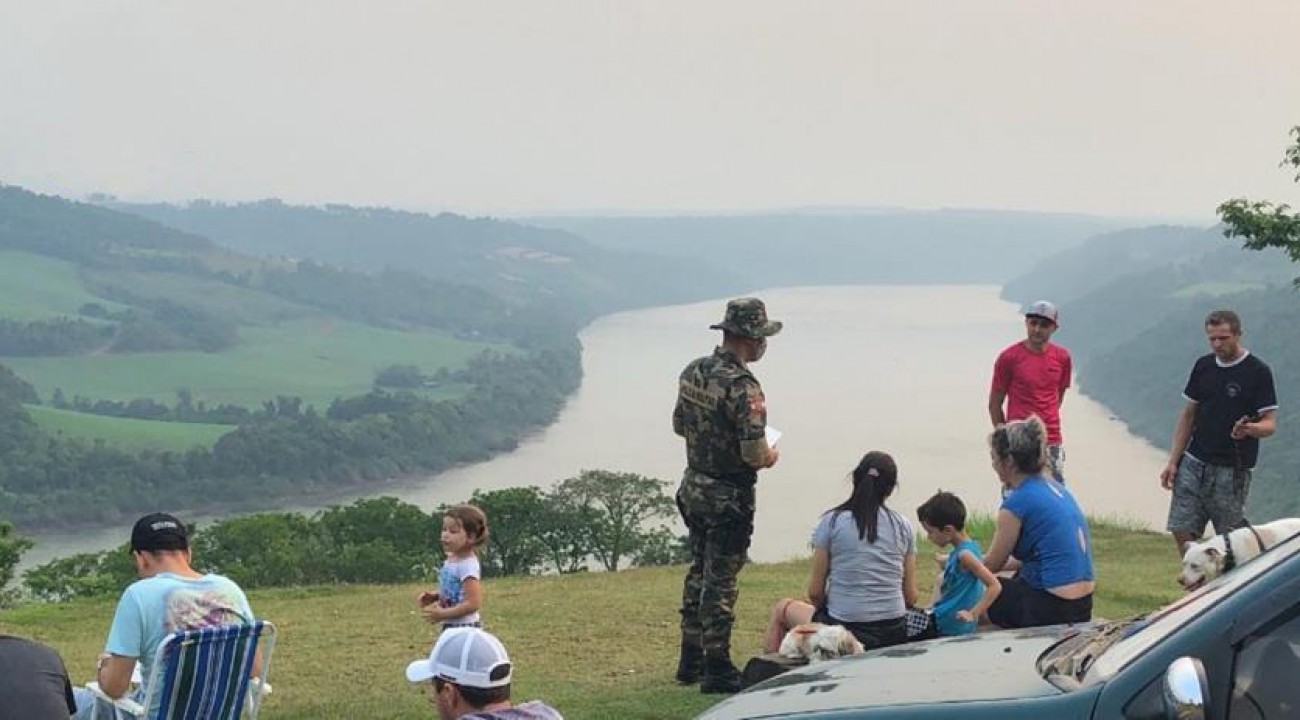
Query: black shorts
x=876 y=634
x=1019 y=605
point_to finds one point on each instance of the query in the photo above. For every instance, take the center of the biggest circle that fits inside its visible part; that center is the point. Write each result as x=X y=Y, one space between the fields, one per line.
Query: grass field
x=317 y=360
x=595 y=645
x=126 y=433
x=35 y=287
x=229 y=302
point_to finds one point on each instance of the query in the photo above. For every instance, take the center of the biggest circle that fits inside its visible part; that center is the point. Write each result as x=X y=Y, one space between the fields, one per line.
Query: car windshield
x=1096 y=653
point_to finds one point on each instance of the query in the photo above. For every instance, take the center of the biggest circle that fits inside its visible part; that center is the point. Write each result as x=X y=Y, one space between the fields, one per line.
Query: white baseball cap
x=1044 y=310
x=466 y=656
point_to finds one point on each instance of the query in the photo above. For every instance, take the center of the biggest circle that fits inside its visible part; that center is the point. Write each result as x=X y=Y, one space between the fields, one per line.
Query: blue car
x=1229 y=650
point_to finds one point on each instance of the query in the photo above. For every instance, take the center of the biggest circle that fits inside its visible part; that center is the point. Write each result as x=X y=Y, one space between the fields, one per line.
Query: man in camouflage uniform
x=720 y=412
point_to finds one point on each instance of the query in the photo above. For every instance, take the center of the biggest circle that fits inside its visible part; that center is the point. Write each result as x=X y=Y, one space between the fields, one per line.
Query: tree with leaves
x=1264 y=224
x=12 y=547
x=515 y=517
x=620 y=507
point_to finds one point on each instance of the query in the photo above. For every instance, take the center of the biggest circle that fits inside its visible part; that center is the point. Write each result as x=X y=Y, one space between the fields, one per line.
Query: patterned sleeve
x=748 y=409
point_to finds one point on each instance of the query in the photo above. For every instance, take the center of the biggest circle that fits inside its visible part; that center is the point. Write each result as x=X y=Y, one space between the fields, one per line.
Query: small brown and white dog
x=1209 y=559
x=817 y=641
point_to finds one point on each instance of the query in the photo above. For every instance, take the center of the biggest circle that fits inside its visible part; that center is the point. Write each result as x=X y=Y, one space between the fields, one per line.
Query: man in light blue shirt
x=170 y=596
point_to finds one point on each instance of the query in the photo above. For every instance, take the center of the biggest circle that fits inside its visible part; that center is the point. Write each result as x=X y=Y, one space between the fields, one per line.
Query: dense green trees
x=384 y=540
x=283 y=449
x=12 y=547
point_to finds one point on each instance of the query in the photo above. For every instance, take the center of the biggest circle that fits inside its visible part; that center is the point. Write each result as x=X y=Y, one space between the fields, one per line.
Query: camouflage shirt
x=721 y=413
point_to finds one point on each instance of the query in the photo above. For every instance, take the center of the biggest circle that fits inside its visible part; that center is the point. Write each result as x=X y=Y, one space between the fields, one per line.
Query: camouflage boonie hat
x=748 y=317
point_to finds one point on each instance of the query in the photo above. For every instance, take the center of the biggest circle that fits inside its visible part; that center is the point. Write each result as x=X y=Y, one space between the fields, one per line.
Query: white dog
x=1206 y=560
x=816 y=641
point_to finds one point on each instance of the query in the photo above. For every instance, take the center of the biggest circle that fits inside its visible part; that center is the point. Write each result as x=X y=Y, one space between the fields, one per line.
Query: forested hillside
x=295 y=376
x=1132 y=311
x=520 y=263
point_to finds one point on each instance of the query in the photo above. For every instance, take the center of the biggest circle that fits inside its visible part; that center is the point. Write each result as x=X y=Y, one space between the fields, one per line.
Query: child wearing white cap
x=469 y=674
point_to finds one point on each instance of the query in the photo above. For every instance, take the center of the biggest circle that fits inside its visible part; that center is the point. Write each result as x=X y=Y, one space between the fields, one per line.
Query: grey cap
x=748 y=317
x=1044 y=310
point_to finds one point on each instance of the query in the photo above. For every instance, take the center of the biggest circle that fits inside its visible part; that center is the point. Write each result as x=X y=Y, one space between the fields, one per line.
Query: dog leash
x=1229 y=557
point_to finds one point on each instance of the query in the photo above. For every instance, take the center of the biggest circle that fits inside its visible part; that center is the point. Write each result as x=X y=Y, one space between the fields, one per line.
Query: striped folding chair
x=203 y=674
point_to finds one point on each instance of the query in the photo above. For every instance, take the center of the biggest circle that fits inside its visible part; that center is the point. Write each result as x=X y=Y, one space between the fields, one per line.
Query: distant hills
x=886 y=246
x=520 y=263
x=219 y=355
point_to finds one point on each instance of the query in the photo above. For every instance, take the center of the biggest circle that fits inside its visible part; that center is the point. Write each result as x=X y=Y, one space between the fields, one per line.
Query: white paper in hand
x=772 y=435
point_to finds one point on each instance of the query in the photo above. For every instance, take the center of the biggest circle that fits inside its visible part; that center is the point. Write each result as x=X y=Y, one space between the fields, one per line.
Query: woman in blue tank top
x=1041 y=534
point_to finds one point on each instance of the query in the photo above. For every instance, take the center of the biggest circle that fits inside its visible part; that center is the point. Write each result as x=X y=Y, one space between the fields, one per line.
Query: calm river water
x=900 y=369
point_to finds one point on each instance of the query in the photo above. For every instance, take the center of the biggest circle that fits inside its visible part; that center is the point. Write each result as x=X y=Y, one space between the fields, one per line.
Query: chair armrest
x=123 y=703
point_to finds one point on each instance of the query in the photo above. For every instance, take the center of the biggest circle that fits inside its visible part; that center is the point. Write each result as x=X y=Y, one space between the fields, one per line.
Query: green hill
x=126 y=432
x=518 y=262
x=595 y=645
x=317 y=360
x=123 y=318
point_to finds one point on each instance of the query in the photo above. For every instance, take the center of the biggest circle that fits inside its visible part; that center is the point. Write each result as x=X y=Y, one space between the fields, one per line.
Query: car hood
x=984 y=666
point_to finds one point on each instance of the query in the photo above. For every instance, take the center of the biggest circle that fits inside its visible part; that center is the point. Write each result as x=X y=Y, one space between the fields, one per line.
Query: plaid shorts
x=1207 y=493
x=920 y=624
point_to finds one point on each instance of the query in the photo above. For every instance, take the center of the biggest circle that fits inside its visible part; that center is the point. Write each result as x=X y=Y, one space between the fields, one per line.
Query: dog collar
x=1230 y=558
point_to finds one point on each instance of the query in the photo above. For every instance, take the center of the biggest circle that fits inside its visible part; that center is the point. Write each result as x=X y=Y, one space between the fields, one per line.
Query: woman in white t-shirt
x=864 y=565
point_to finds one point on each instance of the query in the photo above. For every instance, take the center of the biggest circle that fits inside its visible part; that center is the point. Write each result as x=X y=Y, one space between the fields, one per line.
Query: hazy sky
x=1162 y=107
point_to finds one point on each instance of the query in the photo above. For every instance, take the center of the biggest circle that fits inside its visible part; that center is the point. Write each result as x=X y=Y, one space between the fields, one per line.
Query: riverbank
x=898 y=368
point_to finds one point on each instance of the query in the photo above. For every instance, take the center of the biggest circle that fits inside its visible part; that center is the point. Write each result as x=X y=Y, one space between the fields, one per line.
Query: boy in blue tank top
x=966 y=588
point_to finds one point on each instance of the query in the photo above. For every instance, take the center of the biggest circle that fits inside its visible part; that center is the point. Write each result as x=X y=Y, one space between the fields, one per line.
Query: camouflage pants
x=720 y=519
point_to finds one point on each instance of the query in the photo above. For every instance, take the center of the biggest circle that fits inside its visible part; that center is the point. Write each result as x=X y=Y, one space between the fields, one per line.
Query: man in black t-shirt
x=1231 y=404
x=33 y=682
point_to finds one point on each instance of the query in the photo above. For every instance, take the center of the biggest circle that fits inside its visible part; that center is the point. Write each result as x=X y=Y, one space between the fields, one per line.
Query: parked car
x=1229 y=650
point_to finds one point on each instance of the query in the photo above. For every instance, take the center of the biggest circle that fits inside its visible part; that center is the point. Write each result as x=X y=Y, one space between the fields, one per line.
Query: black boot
x=720 y=676
x=691 y=663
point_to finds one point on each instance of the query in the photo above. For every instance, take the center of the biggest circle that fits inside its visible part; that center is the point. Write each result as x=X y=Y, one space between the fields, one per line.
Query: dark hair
x=479 y=698
x=1224 y=317
x=472 y=520
x=874 y=479
x=942 y=510
x=1024 y=441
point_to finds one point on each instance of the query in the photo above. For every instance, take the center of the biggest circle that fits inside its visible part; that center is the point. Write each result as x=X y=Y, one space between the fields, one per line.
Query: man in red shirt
x=1031 y=377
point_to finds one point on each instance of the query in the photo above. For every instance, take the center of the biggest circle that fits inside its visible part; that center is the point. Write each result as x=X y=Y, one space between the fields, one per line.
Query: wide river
x=900 y=369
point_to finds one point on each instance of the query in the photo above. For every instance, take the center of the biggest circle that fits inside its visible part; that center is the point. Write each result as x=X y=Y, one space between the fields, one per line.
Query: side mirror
x=1185 y=689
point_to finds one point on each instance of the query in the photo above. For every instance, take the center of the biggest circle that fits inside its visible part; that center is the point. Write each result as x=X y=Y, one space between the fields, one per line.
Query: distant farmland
x=317 y=360
x=127 y=433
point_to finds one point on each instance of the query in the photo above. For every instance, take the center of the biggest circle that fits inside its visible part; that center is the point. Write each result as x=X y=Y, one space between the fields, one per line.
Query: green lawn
x=126 y=433
x=317 y=360
x=595 y=645
x=36 y=287
x=240 y=305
